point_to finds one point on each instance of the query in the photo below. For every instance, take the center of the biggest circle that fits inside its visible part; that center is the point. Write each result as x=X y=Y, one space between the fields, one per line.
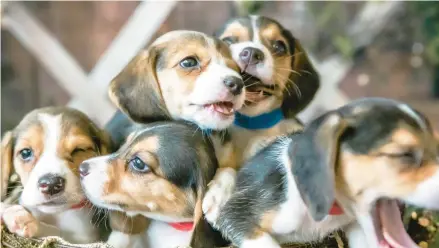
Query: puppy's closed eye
x=81 y=149
x=406 y=155
x=230 y=40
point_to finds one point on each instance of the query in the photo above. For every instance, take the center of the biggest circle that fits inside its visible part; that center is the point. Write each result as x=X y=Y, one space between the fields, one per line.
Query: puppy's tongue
x=225 y=108
x=391 y=226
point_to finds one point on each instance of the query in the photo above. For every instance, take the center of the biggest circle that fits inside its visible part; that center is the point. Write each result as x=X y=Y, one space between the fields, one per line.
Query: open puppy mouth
x=256 y=90
x=223 y=108
x=389 y=228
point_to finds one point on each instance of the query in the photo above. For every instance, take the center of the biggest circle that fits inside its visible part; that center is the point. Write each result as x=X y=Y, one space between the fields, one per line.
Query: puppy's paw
x=220 y=190
x=19 y=221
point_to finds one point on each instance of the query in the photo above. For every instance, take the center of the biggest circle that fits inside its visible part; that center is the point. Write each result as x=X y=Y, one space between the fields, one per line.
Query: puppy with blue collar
x=280 y=81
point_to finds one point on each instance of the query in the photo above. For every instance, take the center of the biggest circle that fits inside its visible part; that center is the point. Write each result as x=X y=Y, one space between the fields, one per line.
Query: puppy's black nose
x=83 y=169
x=235 y=84
x=251 y=56
x=51 y=184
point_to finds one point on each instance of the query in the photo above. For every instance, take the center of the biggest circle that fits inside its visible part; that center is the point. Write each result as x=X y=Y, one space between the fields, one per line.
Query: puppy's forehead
x=181 y=37
x=378 y=121
x=397 y=111
x=247 y=27
x=239 y=27
x=160 y=135
x=65 y=119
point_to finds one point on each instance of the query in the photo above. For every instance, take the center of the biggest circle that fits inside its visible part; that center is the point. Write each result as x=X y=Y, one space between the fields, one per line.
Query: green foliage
x=331 y=18
x=429 y=12
x=248 y=7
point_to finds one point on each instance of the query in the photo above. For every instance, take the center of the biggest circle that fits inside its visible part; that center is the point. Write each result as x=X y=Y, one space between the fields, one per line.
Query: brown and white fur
x=364 y=158
x=278 y=77
x=161 y=172
x=45 y=150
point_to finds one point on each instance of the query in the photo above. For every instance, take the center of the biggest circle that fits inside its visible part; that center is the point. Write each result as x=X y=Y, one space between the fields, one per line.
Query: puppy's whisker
x=307 y=72
x=251 y=84
x=296 y=88
x=298 y=53
x=247 y=79
x=287 y=69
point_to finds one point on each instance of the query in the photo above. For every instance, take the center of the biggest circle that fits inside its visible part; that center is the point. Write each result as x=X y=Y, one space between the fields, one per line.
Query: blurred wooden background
x=391 y=66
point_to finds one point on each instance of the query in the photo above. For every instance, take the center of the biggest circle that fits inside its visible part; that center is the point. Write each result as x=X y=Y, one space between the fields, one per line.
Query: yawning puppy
x=280 y=81
x=45 y=150
x=160 y=172
x=348 y=169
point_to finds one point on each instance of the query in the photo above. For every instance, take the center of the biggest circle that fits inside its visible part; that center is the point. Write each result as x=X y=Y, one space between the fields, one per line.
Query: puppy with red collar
x=280 y=81
x=161 y=172
x=45 y=150
x=347 y=170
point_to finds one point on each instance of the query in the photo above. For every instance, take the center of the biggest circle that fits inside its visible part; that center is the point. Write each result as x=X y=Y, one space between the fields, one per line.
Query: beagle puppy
x=161 y=172
x=348 y=169
x=45 y=150
x=280 y=81
x=183 y=75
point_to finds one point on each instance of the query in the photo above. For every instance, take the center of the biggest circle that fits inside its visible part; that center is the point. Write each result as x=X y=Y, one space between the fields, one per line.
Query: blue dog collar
x=263 y=121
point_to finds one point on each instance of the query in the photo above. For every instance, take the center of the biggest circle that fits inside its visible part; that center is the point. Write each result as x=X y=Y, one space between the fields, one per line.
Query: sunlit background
x=366 y=48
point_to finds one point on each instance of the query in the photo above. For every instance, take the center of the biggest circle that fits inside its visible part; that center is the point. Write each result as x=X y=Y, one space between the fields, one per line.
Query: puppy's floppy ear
x=314 y=156
x=136 y=90
x=305 y=78
x=204 y=235
x=7 y=164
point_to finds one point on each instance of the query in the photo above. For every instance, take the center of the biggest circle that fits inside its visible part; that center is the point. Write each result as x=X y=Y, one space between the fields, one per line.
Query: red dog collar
x=81 y=204
x=182 y=226
x=336 y=209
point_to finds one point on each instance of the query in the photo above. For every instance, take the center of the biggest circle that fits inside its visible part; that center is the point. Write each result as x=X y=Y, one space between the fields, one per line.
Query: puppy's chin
x=207 y=118
x=51 y=206
x=53 y=209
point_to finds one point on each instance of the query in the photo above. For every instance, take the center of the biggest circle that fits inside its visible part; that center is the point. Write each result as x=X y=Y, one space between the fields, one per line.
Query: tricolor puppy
x=348 y=169
x=280 y=81
x=161 y=172
x=279 y=78
x=184 y=75
x=45 y=150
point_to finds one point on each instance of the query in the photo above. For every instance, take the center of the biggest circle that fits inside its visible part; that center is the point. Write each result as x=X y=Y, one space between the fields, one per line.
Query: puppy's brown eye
x=26 y=154
x=230 y=40
x=138 y=165
x=279 y=47
x=189 y=63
